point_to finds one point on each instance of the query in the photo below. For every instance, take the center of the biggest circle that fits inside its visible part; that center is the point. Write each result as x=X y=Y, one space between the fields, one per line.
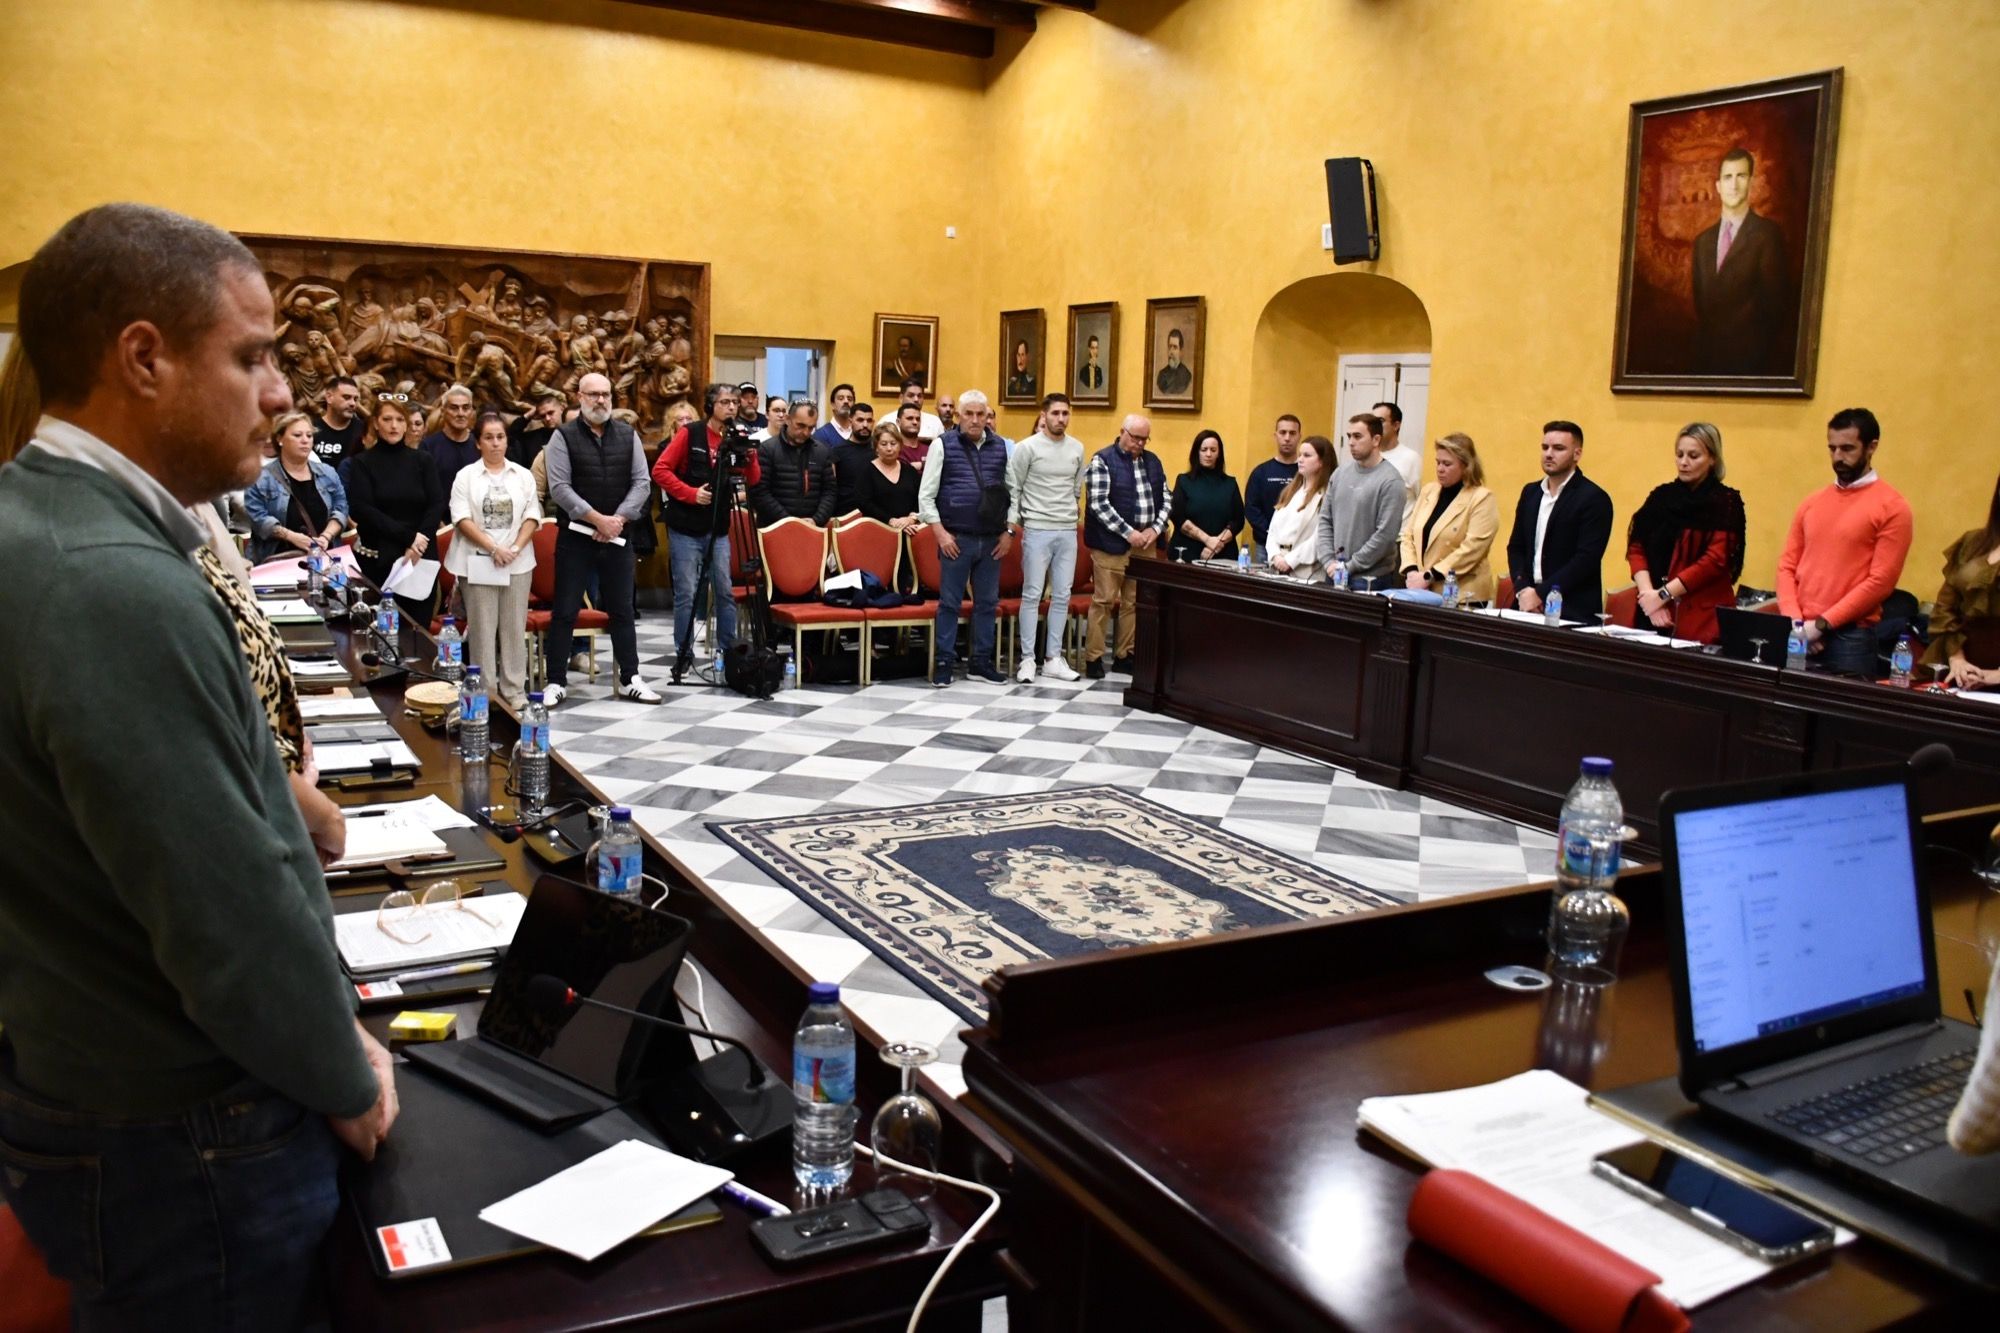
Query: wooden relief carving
x=513 y=326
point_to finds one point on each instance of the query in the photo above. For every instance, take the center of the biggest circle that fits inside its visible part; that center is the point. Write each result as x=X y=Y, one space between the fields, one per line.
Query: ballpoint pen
x=751 y=1199
x=433 y=973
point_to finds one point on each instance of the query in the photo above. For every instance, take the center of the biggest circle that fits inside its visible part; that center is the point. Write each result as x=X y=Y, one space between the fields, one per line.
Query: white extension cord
x=965 y=1240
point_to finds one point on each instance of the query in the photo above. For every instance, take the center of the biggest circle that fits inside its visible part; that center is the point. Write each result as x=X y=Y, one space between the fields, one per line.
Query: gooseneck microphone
x=553 y=995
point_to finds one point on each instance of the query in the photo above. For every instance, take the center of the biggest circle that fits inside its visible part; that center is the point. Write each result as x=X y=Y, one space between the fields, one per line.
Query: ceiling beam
x=872 y=22
x=977 y=13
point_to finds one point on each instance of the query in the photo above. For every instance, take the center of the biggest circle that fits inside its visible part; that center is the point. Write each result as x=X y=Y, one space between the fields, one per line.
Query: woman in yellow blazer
x=1452 y=527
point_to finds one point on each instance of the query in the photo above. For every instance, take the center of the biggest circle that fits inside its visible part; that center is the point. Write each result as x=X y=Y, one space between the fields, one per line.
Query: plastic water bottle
x=315 y=569
x=1588 y=839
x=619 y=857
x=336 y=582
x=823 y=1095
x=791 y=674
x=1451 y=590
x=531 y=755
x=472 y=715
x=451 y=663
x=389 y=621
x=1795 y=647
x=1242 y=560
x=1901 y=663
x=1552 y=609
x=1340 y=575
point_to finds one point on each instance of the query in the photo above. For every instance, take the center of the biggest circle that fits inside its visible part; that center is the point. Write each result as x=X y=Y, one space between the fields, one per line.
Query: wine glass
x=1604 y=623
x=1938 y=670
x=907 y=1128
x=1758 y=644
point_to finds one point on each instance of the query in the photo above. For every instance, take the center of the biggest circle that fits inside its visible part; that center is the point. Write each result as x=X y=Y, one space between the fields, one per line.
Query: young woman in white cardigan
x=495 y=512
x=1292 y=542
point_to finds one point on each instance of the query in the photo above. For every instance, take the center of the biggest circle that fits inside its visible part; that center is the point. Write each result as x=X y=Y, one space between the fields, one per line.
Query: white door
x=1370 y=378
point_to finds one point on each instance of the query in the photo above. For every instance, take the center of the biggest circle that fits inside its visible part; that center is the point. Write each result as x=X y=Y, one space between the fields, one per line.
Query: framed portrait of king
x=1023 y=344
x=906 y=347
x=1174 y=353
x=1091 y=357
x=1728 y=196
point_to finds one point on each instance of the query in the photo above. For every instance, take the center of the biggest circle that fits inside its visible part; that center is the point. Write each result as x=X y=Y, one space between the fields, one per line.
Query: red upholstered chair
x=1082 y=583
x=872 y=545
x=446 y=580
x=794 y=553
x=1013 y=577
x=31 y=1301
x=1503 y=593
x=541 y=601
x=1624 y=607
x=930 y=573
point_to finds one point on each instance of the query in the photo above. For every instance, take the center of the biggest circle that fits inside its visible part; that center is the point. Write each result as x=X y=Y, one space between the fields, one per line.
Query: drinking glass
x=907 y=1128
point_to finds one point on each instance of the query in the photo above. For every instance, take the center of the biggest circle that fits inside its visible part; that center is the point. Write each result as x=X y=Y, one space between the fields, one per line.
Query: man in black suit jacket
x=1740 y=302
x=1567 y=549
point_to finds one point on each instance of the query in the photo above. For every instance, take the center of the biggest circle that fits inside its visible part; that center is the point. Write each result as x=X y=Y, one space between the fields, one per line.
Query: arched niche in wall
x=1307 y=327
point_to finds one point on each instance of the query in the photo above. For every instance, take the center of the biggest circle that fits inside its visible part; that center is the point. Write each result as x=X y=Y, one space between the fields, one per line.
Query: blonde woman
x=1451 y=527
x=296 y=500
x=1293 y=539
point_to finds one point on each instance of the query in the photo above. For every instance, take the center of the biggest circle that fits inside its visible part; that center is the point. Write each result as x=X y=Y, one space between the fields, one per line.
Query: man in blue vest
x=1125 y=511
x=964 y=495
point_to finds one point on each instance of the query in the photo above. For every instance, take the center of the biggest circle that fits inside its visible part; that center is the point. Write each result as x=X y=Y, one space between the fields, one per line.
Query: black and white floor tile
x=709 y=754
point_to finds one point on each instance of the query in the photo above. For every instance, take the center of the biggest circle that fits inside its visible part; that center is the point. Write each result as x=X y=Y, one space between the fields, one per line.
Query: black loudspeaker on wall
x=1350 y=200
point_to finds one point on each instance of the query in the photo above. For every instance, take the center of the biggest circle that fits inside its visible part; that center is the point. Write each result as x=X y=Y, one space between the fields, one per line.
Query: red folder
x=1549 y=1264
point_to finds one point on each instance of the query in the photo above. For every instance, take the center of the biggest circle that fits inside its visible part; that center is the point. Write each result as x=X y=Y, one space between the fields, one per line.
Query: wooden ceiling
x=960 y=27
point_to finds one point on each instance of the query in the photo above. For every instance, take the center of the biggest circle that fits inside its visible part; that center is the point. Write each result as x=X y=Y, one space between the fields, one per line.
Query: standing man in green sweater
x=1045 y=479
x=179 y=1057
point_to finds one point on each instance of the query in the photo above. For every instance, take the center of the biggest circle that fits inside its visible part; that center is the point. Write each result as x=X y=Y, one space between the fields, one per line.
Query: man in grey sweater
x=1363 y=513
x=180 y=1062
x=1045 y=479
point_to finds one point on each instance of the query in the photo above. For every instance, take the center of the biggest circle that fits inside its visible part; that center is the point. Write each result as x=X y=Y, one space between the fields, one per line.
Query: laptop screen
x=1797 y=910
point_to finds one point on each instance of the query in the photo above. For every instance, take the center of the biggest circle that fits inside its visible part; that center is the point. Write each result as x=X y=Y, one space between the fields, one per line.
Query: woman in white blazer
x=495 y=512
x=1452 y=527
x=1291 y=544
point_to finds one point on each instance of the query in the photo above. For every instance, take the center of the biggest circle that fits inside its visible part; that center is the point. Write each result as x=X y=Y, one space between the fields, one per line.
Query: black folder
x=451 y=1154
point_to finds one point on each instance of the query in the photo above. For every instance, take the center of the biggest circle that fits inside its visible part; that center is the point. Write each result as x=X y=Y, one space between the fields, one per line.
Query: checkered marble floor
x=710 y=754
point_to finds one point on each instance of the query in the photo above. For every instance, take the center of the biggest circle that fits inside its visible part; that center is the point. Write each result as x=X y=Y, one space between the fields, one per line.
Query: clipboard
x=453 y=1154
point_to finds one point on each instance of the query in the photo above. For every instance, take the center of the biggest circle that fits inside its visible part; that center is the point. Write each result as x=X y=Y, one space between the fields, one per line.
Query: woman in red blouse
x=1686 y=542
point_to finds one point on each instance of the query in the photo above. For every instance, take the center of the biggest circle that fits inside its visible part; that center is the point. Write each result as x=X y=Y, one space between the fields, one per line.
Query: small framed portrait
x=1091 y=361
x=906 y=348
x=1023 y=343
x=1174 y=353
x=1727 y=200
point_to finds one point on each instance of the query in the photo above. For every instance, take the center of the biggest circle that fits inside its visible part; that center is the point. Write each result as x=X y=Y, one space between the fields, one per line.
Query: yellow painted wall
x=1156 y=148
x=1169 y=147
x=611 y=133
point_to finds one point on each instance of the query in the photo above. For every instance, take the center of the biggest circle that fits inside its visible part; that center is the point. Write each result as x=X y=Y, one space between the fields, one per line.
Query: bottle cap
x=621 y=812
x=823 y=992
x=471 y=670
x=534 y=696
x=1597 y=767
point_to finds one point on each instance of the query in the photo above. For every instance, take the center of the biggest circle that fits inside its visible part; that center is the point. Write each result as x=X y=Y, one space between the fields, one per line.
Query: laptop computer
x=1805 y=980
x=1739 y=630
x=554 y=1069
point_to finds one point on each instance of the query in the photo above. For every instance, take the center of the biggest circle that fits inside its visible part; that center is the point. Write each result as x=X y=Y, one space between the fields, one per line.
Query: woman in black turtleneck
x=397 y=502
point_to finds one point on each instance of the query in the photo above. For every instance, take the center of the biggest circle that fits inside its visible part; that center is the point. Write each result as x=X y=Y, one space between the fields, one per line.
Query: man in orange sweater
x=1845 y=550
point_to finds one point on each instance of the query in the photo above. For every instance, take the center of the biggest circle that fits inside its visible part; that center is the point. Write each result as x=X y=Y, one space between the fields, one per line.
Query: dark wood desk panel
x=1193 y=1147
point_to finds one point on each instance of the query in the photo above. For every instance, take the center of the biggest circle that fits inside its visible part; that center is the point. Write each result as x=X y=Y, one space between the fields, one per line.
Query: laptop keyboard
x=1887 y=1119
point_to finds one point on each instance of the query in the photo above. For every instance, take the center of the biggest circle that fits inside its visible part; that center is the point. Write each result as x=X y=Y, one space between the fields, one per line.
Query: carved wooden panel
x=511 y=325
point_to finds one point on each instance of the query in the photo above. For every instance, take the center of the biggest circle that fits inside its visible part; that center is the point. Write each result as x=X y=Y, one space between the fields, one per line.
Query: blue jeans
x=1048 y=561
x=208 y=1218
x=975 y=560
x=1849 y=651
x=684 y=553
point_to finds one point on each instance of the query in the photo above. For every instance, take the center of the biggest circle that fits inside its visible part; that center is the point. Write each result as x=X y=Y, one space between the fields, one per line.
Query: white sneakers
x=1026 y=675
x=637 y=691
x=553 y=694
x=1055 y=669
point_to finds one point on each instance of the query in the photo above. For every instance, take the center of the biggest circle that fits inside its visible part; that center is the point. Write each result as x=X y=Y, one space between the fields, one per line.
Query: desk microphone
x=1932 y=759
x=553 y=994
x=377 y=662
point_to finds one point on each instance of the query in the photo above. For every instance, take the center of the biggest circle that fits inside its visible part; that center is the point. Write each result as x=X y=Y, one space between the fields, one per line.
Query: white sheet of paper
x=1980 y=696
x=578 y=525
x=371 y=840
x=324 y=667
x=357 y=756
x=605 y=1200
x=413 y=581
x=291 y=611
x=482 y=572
x=1646 y=637
x=454 y=933
x=429 y=812
x=334 y=708
x=1534 y=1136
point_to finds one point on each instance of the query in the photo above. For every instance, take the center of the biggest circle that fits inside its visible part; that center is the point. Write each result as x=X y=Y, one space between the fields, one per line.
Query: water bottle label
x=823 y=1078
x=450 y=653
x=1577 y=858
x=618 y=871
x=536 y=736
x=472 y=708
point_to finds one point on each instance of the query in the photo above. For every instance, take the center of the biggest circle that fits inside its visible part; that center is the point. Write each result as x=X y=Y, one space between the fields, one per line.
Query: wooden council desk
x=708 y=1277
x=1494 y=714
x=1183 y=1118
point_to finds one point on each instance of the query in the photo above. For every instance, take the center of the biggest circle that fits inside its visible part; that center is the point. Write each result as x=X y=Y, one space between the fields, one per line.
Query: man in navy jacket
x=1561 y=527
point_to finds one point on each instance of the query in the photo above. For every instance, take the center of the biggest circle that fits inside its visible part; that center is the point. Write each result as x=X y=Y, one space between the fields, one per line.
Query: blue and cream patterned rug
x=948 y=893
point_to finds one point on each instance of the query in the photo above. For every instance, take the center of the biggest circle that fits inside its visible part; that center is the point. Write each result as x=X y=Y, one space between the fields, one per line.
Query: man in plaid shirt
x=1125 y=516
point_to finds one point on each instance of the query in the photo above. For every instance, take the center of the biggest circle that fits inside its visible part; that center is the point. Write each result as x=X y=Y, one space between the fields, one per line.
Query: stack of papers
x=430 y=814
x=311 y=668
x=1534 y=1135
x=290 y=611
x=337 y=707
x=1639 y=636
x=454 y=933
x=361 y=758
x=605 y=1200
x=374 y=842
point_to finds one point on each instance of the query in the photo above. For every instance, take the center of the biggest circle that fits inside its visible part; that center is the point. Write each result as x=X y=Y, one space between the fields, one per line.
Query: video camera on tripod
x=750 y=668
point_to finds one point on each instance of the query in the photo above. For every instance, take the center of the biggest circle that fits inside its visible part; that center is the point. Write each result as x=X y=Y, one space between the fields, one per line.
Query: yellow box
x=415 y=1025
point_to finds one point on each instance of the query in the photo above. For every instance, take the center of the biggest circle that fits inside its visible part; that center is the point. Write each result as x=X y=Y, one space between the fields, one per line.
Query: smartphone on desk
x=1753 y=1221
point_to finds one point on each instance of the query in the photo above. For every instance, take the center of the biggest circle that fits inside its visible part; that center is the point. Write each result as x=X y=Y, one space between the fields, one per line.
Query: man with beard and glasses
x=180 y=1063
x=1845 y=550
